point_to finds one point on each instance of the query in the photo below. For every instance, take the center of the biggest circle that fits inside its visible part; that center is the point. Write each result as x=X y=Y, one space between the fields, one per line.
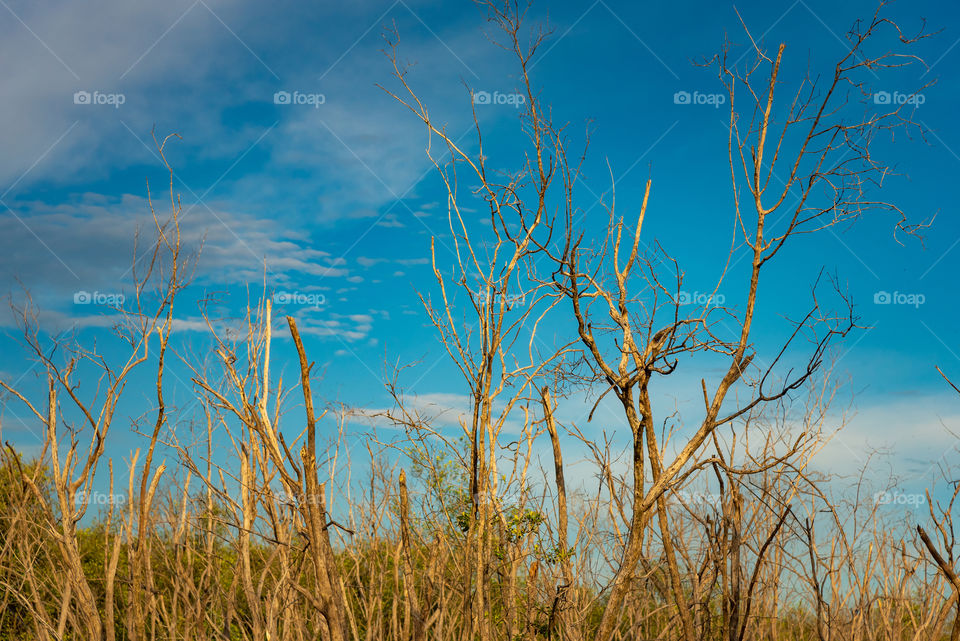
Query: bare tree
x=720 y=528
x=827 y=179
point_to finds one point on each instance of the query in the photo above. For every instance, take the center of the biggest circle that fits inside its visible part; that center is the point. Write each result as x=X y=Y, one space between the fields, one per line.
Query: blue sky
x=333 y=200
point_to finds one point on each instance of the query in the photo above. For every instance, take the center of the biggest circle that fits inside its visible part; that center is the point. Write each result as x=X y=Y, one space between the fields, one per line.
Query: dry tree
x=800 y=162
x=70 y=413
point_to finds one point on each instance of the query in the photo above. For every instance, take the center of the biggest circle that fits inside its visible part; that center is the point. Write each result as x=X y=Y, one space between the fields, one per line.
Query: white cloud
x=89 y=243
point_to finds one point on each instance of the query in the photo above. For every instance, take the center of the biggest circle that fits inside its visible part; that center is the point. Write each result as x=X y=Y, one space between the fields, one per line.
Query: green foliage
x=521 y=522
x=19 y=510
x=446 y=489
